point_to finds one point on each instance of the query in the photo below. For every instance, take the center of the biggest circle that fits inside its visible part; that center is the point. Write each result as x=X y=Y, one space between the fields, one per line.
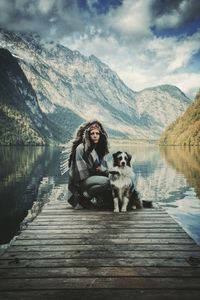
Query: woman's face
x=95 y=136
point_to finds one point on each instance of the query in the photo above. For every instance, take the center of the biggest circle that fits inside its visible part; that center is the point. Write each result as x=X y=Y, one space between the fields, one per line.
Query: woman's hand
x=102 y=170
x=98 y=169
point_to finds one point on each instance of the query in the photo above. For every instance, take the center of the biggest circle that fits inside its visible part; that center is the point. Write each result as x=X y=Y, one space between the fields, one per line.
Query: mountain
x=185 y=130
x=21 y=118
x=71 y=88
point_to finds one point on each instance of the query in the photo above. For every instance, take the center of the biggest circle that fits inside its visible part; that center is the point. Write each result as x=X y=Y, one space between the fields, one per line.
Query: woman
x=87 y=166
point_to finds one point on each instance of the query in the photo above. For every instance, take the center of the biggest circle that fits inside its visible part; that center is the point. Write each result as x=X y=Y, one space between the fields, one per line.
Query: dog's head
x=121 y=159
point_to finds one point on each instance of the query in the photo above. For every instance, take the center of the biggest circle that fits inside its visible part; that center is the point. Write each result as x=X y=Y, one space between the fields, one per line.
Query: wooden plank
x=98 y=241
x=98 y=262
x=60 y=245
x=104 y=218
x=122 y=225
x=98 y=282
x=116 y=227
x=101 y=212
x=104 y=214
x=65 y=250
x=142 y=238
x=102 y=222
x=68 y=272
x=99 y=294
x=107 y=233
x=98 y=254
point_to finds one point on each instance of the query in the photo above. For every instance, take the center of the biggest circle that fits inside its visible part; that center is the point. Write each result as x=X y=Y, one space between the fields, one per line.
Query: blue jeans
x=95 y=185
x=98 y=187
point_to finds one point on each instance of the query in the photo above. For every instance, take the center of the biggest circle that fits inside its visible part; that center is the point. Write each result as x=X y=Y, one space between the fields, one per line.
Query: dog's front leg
x=115 y=193
x=124 y=204
x=116 y=204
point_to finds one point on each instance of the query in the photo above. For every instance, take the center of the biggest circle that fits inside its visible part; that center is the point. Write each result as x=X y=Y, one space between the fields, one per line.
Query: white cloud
x=181 y=12
x=174 y=52
x=131 y=18
x=187 y=82
x=45 y=5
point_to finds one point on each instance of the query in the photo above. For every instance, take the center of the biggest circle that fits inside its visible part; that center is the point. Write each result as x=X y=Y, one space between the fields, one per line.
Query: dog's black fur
x=121 y=183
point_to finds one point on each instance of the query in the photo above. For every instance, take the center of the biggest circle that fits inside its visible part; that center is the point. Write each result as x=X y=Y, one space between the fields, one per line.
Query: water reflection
x=185 y=160
x=170 y=176
x=30 y=176
x=156 y=180
x=27 y=177
x=186 y=210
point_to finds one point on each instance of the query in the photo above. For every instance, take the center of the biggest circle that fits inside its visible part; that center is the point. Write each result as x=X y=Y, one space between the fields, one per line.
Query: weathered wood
x=144 y=220
x=101 y=212
x=99 y=282
x=109 y=233
x=102 y=228
x=60 y=245
x=68 y=272
x=98 y=262
x=99 y=294
x=135 y=225
x=65 y=253
x=116 y=227
x=98 y=254
x=106 y=240
x=134 y=214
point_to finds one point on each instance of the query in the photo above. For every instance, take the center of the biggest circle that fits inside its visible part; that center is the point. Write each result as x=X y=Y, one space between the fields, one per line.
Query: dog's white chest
x=123 y=180
x=122 y=183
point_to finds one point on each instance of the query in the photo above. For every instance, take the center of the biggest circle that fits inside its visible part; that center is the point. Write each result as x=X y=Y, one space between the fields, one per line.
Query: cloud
x=130 y=19
x=175 y=13
x=174 y=52
x=119 y=33
x=46 y=17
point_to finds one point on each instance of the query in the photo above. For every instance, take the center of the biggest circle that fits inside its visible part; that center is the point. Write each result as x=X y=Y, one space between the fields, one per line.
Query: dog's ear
x=129 y=159
x=115 y=158
x=116 y=154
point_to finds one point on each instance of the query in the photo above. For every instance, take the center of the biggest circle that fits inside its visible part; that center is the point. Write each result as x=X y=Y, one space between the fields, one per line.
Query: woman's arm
x=81 y=164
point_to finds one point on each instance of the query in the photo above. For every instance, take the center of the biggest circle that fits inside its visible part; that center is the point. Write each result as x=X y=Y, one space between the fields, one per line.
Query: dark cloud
x=182 y=12
x=56 y=18
x=52 y=17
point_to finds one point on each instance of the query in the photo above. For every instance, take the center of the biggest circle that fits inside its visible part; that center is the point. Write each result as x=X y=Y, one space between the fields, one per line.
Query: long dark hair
x=80 y=137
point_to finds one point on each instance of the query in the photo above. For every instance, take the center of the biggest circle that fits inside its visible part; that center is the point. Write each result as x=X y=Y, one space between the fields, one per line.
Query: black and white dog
x=122 y=183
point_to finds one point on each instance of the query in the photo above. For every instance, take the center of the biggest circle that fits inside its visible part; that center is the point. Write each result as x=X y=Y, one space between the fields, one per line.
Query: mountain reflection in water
x=186 y=210
x=185 y=160
x=30 y=176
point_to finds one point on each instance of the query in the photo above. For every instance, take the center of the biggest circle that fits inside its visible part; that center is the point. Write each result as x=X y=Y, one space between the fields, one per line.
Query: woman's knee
x=96 y=180
x=100 y=181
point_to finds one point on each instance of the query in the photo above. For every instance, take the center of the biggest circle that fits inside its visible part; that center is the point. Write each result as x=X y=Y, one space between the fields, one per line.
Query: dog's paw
x=123 y=209
x=116 y=210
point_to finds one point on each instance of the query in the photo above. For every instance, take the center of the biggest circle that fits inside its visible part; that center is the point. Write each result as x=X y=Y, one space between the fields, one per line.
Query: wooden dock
x=84 y=254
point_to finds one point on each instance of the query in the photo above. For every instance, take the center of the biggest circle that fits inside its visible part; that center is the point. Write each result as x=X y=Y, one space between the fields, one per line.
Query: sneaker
x=94 y=201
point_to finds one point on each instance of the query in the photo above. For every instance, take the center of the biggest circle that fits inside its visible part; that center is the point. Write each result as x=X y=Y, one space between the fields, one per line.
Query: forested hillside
x=185 y=130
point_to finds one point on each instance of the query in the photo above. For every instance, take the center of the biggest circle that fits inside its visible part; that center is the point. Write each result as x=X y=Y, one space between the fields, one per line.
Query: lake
x=30 y=177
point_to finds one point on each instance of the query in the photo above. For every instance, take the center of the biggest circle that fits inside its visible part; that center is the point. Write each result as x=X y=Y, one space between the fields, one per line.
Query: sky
x=146 y=42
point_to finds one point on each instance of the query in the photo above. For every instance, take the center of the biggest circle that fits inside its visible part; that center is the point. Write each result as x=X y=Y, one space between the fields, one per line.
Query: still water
x=30 y=176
